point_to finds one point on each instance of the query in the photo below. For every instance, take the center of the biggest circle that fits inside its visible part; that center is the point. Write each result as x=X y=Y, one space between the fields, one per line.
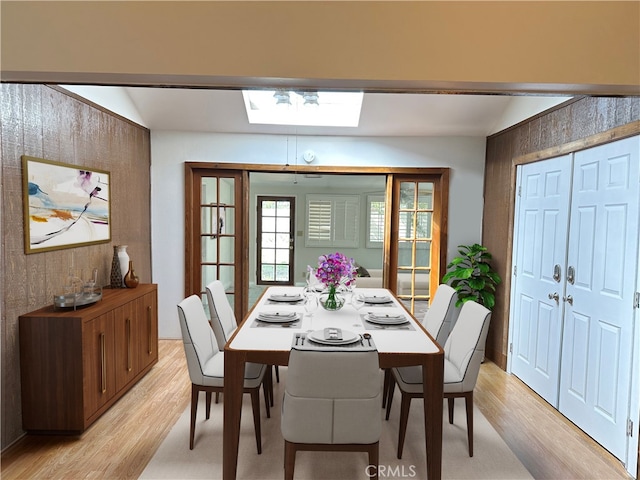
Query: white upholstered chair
x=205 y=362
x=224 y=324
x=223 y=319
x=331 y=402
x=442 y=314
x=463 y=354
x=438 y=321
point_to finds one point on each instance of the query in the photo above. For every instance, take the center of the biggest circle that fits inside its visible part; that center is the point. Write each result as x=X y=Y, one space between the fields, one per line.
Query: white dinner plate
x=376 y=299
x=277 y=317
x=386 y=319
x=347 y=338
x=286 y=298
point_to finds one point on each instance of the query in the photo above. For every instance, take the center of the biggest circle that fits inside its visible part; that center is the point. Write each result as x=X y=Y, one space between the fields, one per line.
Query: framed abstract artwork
x=64 y=205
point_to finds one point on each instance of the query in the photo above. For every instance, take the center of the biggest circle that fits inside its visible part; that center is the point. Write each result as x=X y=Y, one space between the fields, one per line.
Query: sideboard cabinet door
x=148 y=324
x=98 y=362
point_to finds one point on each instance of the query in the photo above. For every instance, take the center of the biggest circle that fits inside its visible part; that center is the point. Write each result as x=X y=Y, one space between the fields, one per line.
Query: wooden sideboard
x=75 y=364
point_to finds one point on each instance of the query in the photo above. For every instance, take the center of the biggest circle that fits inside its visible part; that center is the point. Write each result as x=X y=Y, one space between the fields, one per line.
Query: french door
x=599 y=300
x=575 y=283
x=215 y=238
x=276 y=245
x=543 y=215
x=418 y=225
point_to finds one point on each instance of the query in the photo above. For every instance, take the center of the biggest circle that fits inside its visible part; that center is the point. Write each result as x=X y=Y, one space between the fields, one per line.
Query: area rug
x=173 y=460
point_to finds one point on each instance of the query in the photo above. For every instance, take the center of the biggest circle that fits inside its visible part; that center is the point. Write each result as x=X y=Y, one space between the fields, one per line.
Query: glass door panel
x=414 y=240
x=276 y=252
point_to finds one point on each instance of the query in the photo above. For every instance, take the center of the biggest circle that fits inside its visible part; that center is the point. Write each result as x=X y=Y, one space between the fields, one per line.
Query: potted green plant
x=472 y=277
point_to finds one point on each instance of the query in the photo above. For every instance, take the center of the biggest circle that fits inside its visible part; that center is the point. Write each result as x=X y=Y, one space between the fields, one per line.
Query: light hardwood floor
x=122 y=441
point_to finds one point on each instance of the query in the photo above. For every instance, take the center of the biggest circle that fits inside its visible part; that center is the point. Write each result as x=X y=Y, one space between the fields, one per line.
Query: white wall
x=115 y=99
x=169 y=151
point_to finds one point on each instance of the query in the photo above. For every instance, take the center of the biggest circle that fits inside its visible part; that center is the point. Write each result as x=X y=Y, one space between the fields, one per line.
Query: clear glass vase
x=332 y=300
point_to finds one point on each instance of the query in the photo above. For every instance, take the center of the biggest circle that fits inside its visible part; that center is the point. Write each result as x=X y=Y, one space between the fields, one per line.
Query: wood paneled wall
x=569 y=127
x=47 y=122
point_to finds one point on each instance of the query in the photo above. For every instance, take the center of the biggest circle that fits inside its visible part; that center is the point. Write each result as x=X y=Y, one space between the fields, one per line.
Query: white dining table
x=397 y=346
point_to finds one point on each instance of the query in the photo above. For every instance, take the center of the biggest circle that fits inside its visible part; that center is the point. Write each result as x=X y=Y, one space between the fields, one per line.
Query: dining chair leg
x=277 y=374
x=194 y=410
x=385 y=386
x=208 y=405
x=450 y=401
x=267 y=400
x=255 y=404
x=374 y=452
x=217 y=397
x=390 y=392
x=468 y=399
x=269 y=378
x=404 y=417
x=289 y=460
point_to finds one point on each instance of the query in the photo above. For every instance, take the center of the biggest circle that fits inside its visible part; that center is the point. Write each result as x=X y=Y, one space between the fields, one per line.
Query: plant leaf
x=488 y=299
x=484 y=268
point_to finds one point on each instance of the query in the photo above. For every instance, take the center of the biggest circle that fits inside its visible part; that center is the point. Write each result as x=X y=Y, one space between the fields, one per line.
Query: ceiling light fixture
x=310 y=99
x=282 y=97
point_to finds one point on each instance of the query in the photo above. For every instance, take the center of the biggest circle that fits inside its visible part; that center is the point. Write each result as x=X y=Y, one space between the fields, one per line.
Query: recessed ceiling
x=383 y=114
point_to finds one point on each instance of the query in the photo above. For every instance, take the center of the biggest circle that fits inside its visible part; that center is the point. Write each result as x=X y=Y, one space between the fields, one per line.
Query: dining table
x=261 y=340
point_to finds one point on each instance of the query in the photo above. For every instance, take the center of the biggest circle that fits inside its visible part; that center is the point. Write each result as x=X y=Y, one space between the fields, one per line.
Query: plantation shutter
x=333 y=221
x=318 y=222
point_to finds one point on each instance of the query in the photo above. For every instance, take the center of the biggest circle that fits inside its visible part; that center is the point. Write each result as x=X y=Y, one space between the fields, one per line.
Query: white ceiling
x=383 y=114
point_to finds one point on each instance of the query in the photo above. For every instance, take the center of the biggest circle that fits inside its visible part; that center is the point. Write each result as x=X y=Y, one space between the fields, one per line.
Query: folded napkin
x=332 y=333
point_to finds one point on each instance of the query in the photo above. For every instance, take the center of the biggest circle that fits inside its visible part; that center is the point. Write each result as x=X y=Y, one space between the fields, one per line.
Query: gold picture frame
x=65 y=205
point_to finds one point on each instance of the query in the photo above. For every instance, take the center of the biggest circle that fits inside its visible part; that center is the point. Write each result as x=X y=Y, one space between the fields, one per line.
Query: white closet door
x=598 y=325
x=541 y=242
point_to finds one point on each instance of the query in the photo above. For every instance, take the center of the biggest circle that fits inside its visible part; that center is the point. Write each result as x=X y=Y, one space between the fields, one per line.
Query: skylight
x=303 y=108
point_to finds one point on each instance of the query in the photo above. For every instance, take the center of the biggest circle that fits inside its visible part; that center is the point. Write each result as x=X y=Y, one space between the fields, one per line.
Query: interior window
x=375 y=221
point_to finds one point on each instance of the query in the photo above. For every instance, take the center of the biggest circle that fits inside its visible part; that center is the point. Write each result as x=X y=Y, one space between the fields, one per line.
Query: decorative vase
x=131 y=279
x=123 y=258
x=331 y=300
x=116 y=273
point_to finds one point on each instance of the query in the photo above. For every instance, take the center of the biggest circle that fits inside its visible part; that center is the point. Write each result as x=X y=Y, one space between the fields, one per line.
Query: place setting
x=378 y=300
x=277 y=318
x=286 y=298
x=360 y=300
x=386 y=321
x=332 y=338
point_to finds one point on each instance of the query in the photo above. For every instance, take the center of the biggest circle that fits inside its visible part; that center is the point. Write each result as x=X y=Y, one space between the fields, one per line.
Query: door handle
x=568 y=299
x=571 y=275
x=555 y=296
x=557 y=273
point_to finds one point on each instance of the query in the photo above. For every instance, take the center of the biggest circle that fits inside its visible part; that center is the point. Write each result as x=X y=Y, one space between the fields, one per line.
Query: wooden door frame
x=438 y=175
